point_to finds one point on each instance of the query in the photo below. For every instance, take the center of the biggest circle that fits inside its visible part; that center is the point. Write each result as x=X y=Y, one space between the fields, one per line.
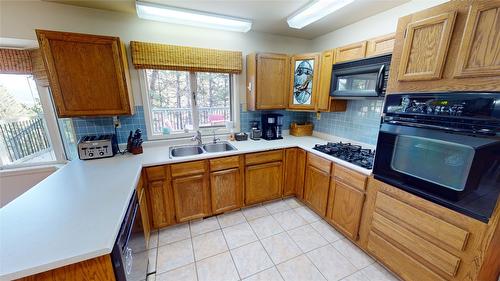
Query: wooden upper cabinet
x=380 y=45
x=325 y=77
x=425 y=47
x=88 y=74
x=350 y=52
x=304 y=80
x=479 y=53
x=450 y=47
x=267 y=81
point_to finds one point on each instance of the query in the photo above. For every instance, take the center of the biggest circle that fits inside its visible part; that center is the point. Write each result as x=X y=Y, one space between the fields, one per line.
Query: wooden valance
x=171 y=57
x=39 y=72
x=14 y=61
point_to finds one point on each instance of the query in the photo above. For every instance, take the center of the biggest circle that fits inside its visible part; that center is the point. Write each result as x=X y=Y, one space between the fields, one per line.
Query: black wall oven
x=361 y=78
x=443 y=147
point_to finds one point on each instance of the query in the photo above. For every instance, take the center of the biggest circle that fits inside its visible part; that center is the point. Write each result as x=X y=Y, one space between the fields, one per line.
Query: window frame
x=219 y=130
x=55 y=139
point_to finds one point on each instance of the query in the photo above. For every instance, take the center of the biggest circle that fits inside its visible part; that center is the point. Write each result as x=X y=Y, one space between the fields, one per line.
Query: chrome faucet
x=197 y=138
x=215 y=138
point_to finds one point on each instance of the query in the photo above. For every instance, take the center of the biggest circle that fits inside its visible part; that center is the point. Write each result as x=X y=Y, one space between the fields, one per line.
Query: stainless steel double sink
x=190 y=150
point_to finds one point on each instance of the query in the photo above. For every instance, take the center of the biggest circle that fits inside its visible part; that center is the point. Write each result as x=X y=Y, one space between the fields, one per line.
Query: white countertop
x=75 y=214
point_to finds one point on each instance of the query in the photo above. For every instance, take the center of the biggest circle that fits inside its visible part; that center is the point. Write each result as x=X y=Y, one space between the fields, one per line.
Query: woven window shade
x=170 y=57
x=39 y=72
x=13 y=61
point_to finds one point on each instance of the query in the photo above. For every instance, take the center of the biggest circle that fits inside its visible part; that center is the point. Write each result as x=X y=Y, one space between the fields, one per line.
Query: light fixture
x=314 y=11
x=150 y=11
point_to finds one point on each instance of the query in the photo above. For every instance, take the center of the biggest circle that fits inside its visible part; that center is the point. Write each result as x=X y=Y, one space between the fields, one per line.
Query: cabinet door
x=191 y=197
x=227 y=190
x=425 y=47
x=88 y=74
x=479 y=53
x=380 y=45
x=263 y=182
x=349 y=52
x=325 y=77
x=290 y=171
x=304 y=81
x=161 y=203
x=347 y=208
x=301 y=173
x=272 y=81
x=316 y=189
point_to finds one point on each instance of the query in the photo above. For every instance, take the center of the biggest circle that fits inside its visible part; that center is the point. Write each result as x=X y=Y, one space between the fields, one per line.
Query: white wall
x=379 y=24
x=19 y=19
x=15 y=183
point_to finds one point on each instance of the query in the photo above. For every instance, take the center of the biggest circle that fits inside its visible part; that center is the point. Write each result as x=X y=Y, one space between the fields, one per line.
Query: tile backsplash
x=104 y=125
x=360 y=122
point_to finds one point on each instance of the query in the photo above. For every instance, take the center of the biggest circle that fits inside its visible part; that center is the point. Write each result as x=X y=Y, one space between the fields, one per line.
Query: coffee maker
x=272 y=126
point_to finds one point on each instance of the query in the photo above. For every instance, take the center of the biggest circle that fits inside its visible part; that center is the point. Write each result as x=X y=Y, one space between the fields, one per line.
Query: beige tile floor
x=281 y=240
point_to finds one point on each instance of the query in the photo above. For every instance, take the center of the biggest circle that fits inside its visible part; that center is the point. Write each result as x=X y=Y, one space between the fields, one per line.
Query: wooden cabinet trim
x=224 y=163
x=422 y=223
x=413 y=245
x=380 y=45
x=405 y=266
x=319 y=163
x=263 y=157
x=188 y=168
x=447 y=20
x=490 y=42
x=350 y=177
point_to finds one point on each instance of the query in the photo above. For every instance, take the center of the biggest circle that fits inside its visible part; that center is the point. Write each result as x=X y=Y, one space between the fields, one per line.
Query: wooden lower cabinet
x=300 y=173
x=289 y=186
x=263 y=182
x=346 y=208
x=100 y=268
x=226 y=188
x=191 y=197
x=160 y=196
x=317 y=185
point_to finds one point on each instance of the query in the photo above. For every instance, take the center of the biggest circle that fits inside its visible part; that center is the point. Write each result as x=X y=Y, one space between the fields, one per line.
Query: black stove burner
x=351 y=153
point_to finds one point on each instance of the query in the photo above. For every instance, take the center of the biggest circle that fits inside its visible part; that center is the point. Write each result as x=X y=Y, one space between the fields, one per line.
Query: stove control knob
x=91 y=154
x=101 y=153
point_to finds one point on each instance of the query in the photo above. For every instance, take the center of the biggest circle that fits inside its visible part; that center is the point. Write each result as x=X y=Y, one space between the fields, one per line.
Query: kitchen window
x=29 y=131
x=177 y=103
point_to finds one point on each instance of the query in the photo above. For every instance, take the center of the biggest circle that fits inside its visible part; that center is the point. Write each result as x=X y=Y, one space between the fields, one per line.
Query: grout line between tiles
x=194 y=257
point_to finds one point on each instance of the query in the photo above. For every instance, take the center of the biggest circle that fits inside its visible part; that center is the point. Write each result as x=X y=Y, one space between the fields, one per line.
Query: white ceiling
x=267 y=16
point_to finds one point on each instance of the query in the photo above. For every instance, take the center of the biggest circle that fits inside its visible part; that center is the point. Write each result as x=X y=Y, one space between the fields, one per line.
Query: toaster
x=95 y=147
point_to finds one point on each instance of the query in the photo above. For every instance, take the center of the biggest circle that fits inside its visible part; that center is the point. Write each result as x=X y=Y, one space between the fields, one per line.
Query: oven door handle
x=429 y=126
x=380 y=80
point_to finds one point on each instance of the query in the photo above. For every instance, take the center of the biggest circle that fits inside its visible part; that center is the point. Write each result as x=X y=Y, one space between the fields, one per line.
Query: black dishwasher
x=129 y=255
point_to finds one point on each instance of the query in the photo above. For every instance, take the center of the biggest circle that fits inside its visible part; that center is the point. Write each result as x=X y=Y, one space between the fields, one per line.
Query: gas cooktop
x=349 y=152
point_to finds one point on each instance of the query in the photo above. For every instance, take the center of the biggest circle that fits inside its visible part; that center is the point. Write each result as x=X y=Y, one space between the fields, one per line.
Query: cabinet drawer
x=405 y=266
x=416 y=246
x=425 y=225
x=156 y=173
x=263 y=157
x=189 y=168
x=350 y=177
x=319 y=163
x=224 y=163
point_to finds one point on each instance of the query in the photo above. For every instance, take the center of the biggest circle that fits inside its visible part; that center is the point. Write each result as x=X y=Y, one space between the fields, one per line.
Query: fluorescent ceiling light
x=174 y=15
x=314 y=11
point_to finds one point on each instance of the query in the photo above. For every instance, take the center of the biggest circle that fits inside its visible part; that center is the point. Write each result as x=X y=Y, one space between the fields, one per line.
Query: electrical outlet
x=116 y=122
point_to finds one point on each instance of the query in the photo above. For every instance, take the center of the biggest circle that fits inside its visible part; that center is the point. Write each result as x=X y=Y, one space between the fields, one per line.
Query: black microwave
x=444 y=147
x=361 y=78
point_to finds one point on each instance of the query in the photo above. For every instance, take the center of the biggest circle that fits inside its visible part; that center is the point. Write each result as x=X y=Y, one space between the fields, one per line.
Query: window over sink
x=177 y=103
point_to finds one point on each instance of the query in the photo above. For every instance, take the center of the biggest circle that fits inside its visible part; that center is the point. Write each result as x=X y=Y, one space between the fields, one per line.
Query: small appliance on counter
x=272 y=125
x=134 y=142
x=444 y=147
x=255 y=132
x=96 y=147
x=355 y=154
